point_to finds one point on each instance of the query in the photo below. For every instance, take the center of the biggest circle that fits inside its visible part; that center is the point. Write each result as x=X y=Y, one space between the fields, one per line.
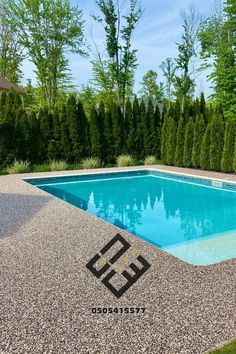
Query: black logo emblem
x=99 y=265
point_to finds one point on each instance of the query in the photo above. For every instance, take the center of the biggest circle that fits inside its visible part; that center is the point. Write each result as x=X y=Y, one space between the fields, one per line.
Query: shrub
x=125 y=160
x=171 y=142
x=199 y=130
x=91 y=162
x=42 y=168
x=188 y=144
x=229 y=146
x=217 y=143
x=205 y=150
x=150 y=160
x=58 y=165
x=18 y=166
x=180 y=143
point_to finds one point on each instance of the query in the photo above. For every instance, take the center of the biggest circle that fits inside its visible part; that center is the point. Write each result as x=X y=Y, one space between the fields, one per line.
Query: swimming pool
x=193 y=219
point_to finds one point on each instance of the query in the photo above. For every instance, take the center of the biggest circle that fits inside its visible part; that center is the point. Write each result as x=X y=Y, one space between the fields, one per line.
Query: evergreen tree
x=2 y=104
x=131 y=129
x=54 y=146
x=188 y=143
x=151 y=143
x=203 y=106
x=95 y=134
x=35 y=137
x=199 y=129
x=205 y=149
x=141 y=128
x=74 y=128
x=217 y=143
x=171 y=142
x=179 y=152
x=164 y=139
x=118 y=129
x=67 y=153
x=138 y=133
x=45 y=123
x=229 y=146
x=158 y=131
x=108 y=132
x=101 y=122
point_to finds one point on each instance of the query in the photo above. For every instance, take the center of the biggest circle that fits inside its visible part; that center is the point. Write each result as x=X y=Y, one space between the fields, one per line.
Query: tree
x=171 y=142
x=11 y=51
x=199 y=129
x=205 y=149
x=217 y=142
x=164 y=139
x=48 y=30
x=229 y=146
x=168 y=68
x=122 y=60
x=118 y=129
x=66 y=144
x=95 y=134
x=54 y=147
x=131 y=129
x=218 y=43
x=149 y=86
x=184 y=82
x=74 y=128
x=188 y=144
x=180 y=143
x=108 y=132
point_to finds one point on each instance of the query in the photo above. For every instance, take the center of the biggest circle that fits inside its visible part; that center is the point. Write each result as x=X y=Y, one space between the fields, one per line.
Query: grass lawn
x=230 y=348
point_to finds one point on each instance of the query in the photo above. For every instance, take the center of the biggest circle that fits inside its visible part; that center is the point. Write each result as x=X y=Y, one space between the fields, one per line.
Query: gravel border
x=47 y=293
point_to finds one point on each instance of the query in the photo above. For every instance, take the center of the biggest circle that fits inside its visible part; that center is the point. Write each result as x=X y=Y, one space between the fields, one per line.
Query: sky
x=155 y=39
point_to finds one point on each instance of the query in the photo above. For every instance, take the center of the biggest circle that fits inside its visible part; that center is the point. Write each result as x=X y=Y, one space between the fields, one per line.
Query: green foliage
x=217 y=143
x=150 y=160
x=42 y=168
x=125 y=160
x=150 y=87
x=205 y=149
x=188 y=144
x=63 y=25
x=179 y=152
x=58 y=165
x=171 y=142
x=91 y=162
x=199 y=129
x=164 y=139
x=18 y=166
x=95 y=134
x=229 y=146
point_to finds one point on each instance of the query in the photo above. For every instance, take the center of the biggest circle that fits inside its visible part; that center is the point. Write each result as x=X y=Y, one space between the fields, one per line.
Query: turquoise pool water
x=193 y=219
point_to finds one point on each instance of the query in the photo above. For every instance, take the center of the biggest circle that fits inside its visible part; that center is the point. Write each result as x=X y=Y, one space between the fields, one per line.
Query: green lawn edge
x=229 y=348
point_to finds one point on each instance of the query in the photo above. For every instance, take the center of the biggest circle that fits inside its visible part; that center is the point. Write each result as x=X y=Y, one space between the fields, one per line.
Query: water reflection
x=162 y=211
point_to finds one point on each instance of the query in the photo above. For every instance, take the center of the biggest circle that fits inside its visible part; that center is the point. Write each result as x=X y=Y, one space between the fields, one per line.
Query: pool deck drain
x=47 y=293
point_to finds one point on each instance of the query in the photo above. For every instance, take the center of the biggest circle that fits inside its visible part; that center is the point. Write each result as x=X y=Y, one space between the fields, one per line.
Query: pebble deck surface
x=47 y=293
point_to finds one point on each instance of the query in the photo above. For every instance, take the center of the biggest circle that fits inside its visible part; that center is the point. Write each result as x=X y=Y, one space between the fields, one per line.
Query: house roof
x=7 y=85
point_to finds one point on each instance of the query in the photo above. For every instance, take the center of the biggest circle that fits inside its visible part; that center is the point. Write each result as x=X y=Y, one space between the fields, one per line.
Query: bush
x=18 y=166
x=229 y=146
x=125 y=160
x=91 y=162
x=150 y=160
x=42 y=168
x=58 y=165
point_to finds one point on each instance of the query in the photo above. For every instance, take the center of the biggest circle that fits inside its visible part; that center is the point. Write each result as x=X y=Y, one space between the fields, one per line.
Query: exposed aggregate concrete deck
x=47 y=293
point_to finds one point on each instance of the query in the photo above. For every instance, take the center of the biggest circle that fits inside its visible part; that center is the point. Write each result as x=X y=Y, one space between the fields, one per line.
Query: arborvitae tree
x=118 y=129
x=234 y=162
x=83 y=134
x=25 y=131
x=141 y=127
x=229 y=146
x=45 y=122
x=205 y=149
x=179 y=152
x=35 y=137
x=108 y=132
x=151 y=143
x=199 y=129
x=164 y=139
x=217 y=142
x=158 y=131
x=66 y=151
x=131 y=129
x=2 y=104
x=188 y=143
x=203 y=106
x=138 y=134
x=95 y=134
x=54 y=146
x=74 y=128
x=177 y=110
x=171 y=142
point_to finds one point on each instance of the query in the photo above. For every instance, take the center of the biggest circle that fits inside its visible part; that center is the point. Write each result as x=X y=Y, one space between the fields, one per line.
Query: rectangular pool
x=191 y=218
